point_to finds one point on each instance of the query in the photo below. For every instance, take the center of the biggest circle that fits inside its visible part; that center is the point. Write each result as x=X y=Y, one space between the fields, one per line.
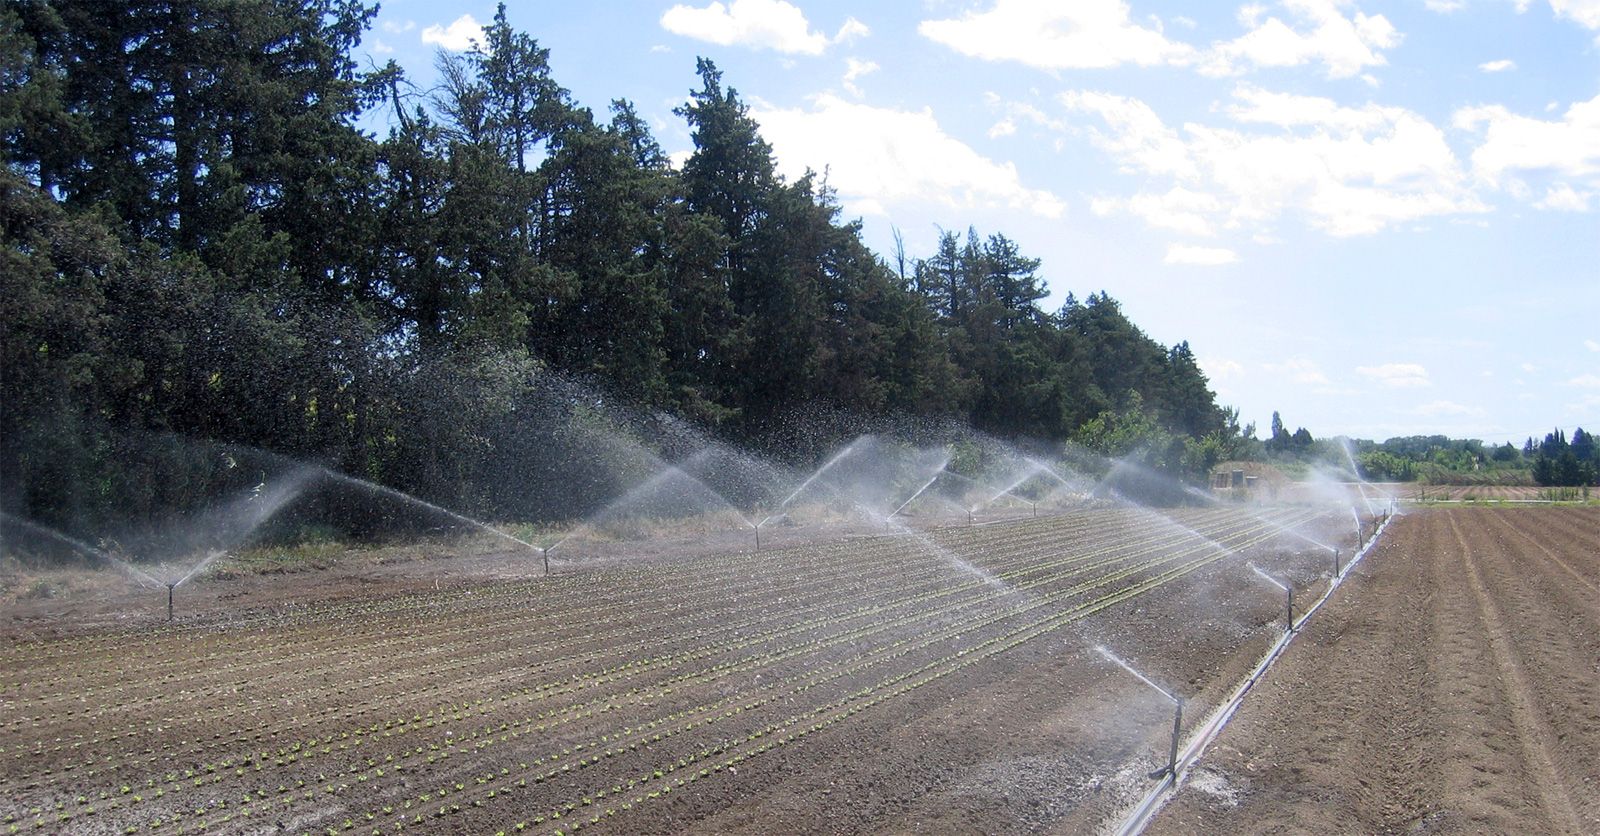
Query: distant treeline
x=201 y=241
x=1554 y=461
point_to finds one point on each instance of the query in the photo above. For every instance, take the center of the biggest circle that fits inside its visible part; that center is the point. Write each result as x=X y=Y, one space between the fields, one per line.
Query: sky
x=1377 y=219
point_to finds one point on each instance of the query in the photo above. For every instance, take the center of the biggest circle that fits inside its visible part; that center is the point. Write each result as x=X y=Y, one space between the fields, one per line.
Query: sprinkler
x=1336 y=563
x=170 y=587
x=545 y=553
x=1288 y=622
x=757 y=529
x=969 y=516
x=1177 y=729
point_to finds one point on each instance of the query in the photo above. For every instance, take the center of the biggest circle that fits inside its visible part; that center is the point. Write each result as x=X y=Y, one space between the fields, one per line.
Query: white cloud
x=1435 y=409
x=1200 y=256
x=1591 y=345
x=1343 y=45
x=1529 y=368
x=381 y=48
x=878 y=156
x=1498 y=66
x=1585 y=406
x=1514 y=143
x=1298 y=370
x=1586 y=381
x=1221 y=368
x=1138 y=138
x=757 y=24
x=459 y=36
x=1397 y=375
x=394 y=27
x=851 y=30
x=1349 y=170
x=1563 y=198
x=854 y=69
x=1004 y=127
x=1178 y=209
x=1052 y=35
x=1444 y=7
x=1585 y=13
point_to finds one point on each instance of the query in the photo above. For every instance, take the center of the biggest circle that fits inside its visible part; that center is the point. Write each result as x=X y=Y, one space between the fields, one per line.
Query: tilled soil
x=943 y=681
x=1451 y=686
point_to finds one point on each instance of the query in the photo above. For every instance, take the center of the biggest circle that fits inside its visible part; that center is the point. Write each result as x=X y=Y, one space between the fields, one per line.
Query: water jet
x=1288 y=621
x=1171 y=767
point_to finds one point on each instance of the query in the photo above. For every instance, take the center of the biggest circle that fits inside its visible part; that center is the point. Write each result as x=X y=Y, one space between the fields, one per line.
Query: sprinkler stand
x=758 y=536
x=170 y=587
x=1335 y=564
x=1288 y=624
x=1177 y=729
x=969 y=516
x=545 y=553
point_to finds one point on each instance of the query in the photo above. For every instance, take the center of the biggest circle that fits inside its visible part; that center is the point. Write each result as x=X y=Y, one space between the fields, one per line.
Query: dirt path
x=1453 y=686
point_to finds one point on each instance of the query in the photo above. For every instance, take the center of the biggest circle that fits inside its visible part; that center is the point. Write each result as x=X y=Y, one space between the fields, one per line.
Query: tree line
x=201 y=240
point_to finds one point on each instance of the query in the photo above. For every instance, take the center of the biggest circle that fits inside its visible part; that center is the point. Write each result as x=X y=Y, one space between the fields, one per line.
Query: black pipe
x=170 y=587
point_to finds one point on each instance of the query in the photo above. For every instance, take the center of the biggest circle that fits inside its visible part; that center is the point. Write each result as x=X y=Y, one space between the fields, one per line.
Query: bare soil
x=1451 y=686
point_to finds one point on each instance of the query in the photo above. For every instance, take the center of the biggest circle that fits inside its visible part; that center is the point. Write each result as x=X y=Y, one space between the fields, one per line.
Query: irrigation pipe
x=1201 y=737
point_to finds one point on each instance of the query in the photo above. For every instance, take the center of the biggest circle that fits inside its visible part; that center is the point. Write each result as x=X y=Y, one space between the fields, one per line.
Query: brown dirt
x=864 y=684
x=1453 y=686
x=1486 y=493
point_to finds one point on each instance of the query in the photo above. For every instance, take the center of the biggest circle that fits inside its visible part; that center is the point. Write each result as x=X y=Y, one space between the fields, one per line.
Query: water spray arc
x=937 y=472
x=1288 y=620
x=806 y=483
x=1171 y=767
x=828 y=465
x=144 y=578
x=373 y=487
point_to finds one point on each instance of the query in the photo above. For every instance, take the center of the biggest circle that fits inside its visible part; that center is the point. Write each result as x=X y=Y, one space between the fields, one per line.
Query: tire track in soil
x=1450 y=688
x=1532 y=727
x=1587 y=539
x=1555 y=629
x=1285 y=764
x=1400 y=795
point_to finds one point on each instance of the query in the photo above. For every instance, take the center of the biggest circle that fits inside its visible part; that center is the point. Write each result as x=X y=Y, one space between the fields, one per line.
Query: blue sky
x=1378 y=219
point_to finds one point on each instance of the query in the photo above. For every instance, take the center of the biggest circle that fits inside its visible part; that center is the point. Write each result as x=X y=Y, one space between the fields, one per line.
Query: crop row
x=826 y=617
x=152 y=756
x=594 y=679
x=431 y=759
x=489 y=601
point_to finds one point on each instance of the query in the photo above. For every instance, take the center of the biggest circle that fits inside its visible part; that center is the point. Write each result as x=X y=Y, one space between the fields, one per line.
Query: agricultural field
x=1452 y=686
x=947 y=679
x=1488 y=493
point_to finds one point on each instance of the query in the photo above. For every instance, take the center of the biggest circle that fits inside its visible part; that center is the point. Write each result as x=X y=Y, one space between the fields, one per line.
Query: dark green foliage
x=1560 y=463
x=1436 y=459
x=199 y=243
